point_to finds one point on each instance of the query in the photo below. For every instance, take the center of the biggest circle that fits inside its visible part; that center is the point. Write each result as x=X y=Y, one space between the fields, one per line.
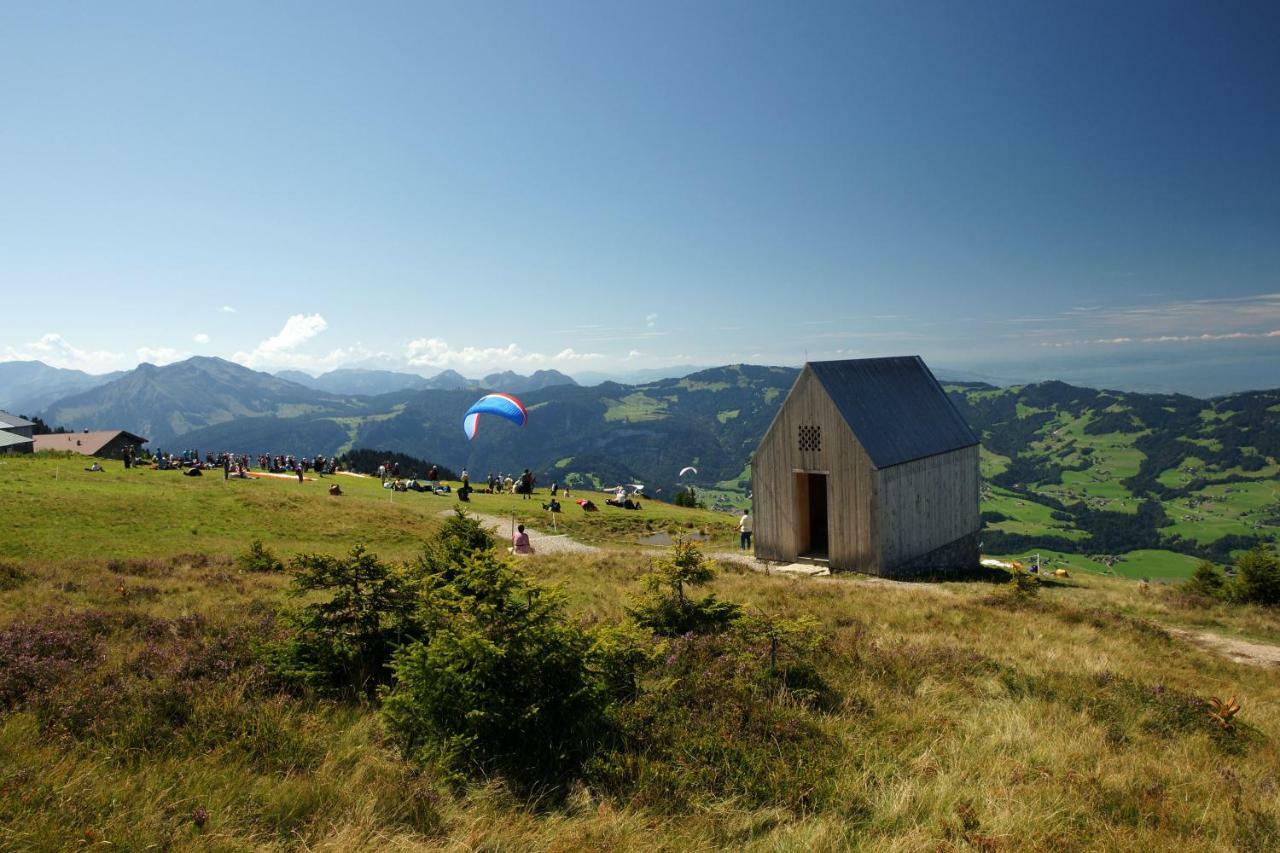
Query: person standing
x=744 y=530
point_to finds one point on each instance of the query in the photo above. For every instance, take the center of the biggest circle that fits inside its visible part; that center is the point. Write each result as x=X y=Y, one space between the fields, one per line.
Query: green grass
x=991 y=464
x=960 y=719
x=1216 y=511
x=635 y=407
x=1026 y=517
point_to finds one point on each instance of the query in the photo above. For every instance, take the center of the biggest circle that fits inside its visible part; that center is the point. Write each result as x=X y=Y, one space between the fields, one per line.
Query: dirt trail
x=1240 y=651
x=542 y=542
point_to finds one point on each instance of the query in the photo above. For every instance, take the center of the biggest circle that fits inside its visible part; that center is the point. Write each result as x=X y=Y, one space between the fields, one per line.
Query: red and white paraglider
x=502 y=405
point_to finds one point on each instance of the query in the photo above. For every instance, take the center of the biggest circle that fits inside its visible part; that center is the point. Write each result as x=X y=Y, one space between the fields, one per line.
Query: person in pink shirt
x=520 y=543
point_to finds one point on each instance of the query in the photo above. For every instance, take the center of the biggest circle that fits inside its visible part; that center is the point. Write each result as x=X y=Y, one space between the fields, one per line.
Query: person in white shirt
x=744 y=530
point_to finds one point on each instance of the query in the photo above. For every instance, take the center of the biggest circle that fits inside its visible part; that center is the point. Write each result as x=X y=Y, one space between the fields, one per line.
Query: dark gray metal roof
x=8 y=421
x=9 y=439
x=895 y=407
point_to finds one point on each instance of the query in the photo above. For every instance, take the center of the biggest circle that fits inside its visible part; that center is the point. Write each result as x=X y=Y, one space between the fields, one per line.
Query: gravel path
x=543 y=543
x=1240 y=651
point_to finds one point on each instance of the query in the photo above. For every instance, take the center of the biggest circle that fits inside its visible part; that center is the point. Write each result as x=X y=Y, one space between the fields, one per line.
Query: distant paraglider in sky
x=502 y=405
x=688 y=469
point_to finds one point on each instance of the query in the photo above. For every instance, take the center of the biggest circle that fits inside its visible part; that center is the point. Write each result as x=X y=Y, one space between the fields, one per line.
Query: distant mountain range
x=27 y=387
x=163 y=403
x=375 y=382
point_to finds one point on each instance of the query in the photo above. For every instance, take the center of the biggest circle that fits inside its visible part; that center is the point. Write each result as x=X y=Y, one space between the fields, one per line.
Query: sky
x=1088 y=191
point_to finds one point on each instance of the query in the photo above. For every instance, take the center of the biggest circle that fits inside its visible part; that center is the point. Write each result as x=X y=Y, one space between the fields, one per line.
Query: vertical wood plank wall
x=851 y=482
x=927 y=503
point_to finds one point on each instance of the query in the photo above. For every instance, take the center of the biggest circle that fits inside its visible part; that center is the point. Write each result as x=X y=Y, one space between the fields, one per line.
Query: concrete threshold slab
x=808 y=569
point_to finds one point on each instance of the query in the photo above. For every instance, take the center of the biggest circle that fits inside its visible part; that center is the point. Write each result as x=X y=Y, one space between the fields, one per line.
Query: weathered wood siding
x=926 y=504
x=851 y=481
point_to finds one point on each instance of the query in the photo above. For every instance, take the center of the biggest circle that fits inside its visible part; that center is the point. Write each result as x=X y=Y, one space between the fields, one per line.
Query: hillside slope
x=163 y=403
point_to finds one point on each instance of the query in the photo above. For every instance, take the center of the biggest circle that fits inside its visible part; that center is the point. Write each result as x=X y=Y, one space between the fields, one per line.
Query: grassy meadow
x=959 y=717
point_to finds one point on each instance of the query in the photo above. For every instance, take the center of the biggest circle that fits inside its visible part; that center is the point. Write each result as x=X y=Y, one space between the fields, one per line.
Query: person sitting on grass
x=335 y=490
x=587 y=505
x=554 y=506
x=520 y=542
x=95 y=467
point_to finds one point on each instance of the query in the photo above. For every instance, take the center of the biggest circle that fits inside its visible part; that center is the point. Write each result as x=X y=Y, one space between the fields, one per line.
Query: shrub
x=667 y=610
x=1023 y=584
x=1257 y=579
x=461 y=537
x=499 y=683
x=345 y=640
x=259 y=559
x=1206 y=581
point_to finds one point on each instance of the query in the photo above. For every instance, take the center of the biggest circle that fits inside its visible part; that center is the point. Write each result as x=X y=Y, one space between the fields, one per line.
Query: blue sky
x=1091 y=192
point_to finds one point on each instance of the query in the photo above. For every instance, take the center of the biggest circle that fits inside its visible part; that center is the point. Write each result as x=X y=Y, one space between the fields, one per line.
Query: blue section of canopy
x=502 y=405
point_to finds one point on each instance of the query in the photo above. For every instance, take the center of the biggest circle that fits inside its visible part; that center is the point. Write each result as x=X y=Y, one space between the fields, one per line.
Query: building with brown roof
x=107 y=444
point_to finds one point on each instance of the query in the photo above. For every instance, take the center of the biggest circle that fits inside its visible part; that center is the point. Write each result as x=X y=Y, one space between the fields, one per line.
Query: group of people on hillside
x=240 y=465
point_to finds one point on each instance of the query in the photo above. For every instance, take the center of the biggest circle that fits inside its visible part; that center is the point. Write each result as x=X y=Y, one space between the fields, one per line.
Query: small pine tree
x=344 y=640
x=667 y=610
x=259 y=558
x=1257 y=579
x=1023 y=584
x=1206 y=581
x=499 y=682
x=688 y=497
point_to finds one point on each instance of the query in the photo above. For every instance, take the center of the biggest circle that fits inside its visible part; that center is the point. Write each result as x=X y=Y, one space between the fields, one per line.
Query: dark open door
x=811 y=515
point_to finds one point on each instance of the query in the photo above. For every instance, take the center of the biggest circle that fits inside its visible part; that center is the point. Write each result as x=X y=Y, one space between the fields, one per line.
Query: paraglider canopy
x=687 y=470
x=502 y=405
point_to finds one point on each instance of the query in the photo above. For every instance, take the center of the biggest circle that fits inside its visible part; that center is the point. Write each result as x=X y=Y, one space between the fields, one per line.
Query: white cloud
x=650 y=320
x=201 y=338
x=161 y=355
x=227 y=309
x=434 y=352
x=297 y=330
x=1165 y=339
x=55 y=351
x=280 y=350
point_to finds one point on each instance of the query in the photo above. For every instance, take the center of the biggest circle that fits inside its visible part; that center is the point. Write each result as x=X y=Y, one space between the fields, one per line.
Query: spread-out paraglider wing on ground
x=688 y=469
x=502 y=405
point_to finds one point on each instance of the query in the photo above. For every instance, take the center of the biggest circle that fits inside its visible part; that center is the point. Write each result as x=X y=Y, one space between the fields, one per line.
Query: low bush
x=1207 y=581
x=1257 y=579
x=343 y=639
x=499 y=683
x=259 y=558
x=1023 y=584
x=667 y=610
